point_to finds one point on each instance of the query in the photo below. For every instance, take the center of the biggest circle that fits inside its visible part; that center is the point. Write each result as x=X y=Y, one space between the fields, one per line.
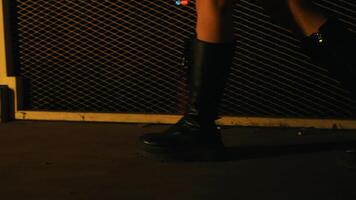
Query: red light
x=184 y=2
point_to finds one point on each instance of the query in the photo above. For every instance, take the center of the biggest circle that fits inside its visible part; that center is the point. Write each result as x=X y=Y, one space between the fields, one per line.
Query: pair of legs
x=208 y=63
x=215 y=24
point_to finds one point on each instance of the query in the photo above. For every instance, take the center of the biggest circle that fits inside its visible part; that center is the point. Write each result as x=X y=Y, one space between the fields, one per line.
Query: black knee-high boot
x=334 y=47
x=196 y=136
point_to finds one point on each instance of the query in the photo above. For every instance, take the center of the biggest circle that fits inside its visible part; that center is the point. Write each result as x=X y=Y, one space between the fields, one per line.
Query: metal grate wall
x=124 y=56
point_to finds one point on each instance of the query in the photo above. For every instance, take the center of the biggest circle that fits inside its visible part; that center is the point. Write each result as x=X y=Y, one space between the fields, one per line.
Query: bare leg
x=214 y=23
x=307 y=16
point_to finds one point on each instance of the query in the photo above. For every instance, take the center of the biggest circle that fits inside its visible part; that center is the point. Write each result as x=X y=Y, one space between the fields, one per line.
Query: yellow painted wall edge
x=171 y=119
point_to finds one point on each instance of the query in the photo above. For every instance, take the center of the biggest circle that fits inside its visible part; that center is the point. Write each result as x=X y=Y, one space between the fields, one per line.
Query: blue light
x=178 y=2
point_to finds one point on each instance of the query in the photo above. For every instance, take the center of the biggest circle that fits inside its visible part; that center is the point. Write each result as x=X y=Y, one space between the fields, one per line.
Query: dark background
x=124 y=56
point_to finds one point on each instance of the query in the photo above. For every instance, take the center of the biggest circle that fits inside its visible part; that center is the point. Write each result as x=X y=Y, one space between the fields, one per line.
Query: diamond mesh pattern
x=101 y=55
x=124 y=56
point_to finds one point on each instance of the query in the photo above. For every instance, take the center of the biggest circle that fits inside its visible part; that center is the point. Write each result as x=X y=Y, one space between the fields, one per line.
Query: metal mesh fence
x=124 y=56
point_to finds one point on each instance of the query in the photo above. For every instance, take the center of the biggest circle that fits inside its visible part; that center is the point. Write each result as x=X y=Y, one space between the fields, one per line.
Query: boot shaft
x=208 y=67
x=334 y=47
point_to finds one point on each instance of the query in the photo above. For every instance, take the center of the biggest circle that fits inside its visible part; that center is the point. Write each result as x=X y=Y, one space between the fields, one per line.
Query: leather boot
x=334 y=47
x=195 y=136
